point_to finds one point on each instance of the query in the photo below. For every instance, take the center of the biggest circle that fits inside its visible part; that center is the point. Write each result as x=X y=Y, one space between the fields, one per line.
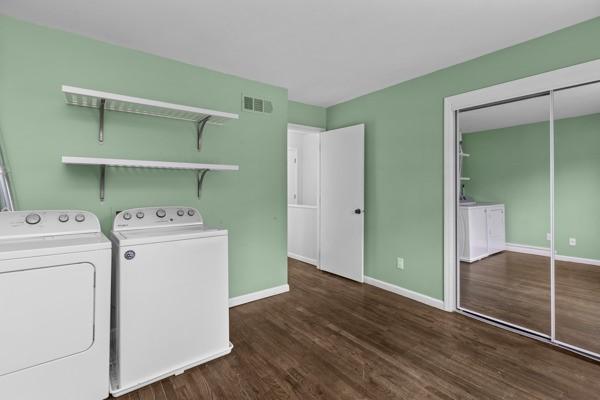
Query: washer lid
x=48 y=245
x=166 y=234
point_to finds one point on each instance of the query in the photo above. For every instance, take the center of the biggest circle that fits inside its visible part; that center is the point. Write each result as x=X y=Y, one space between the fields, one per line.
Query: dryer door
x=47 y=314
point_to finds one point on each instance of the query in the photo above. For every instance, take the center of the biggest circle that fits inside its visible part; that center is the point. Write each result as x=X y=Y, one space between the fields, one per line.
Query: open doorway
x=303 y=193
x=326 y=198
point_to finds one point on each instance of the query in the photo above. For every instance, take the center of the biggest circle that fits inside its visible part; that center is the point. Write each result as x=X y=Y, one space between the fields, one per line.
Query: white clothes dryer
x=54 y=306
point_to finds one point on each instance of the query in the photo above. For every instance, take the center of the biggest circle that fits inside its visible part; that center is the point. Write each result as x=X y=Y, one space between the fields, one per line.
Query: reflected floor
x=515 y=288
x=512 y=287
x=578 y=305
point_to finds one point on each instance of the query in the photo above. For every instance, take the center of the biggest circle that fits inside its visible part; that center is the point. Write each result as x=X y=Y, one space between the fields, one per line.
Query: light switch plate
x=572 y=242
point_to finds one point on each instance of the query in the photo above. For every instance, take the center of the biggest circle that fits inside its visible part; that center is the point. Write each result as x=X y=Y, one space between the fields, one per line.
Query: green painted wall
x=511 y=166
x=306 y=114
x=38 y=128
x=404 y=151
x=577 y=186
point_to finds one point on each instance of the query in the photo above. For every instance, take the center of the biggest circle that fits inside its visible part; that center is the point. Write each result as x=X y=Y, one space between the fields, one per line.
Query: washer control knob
x=80 y=218
x=63 y=217
x=139 y=214
x=127 y=216
x=33 y=218
x=160 y=213
x=191 y=212
x=180 y=212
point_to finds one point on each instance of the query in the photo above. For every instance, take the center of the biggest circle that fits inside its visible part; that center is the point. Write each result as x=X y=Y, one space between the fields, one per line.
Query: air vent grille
x=255 y=104
x=258 y=105
x=248 y=103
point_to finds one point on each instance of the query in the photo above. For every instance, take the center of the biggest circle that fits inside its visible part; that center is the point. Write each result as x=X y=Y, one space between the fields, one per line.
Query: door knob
x=358 y=211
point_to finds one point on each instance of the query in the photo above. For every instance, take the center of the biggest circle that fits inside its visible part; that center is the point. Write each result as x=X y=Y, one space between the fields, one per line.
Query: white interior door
x=292 y=175
x=342 y=202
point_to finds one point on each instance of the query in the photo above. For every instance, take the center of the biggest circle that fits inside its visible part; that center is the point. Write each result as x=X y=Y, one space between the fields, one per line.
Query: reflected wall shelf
x=137 y=105
x=115 y=162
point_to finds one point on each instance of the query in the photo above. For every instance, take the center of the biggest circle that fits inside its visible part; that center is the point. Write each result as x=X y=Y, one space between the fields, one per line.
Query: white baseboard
x=303 y=259
x=261 y=294
x=578 y=260
x=544 y=251
x=472 y=260
x=526 y=249
x=430 y=301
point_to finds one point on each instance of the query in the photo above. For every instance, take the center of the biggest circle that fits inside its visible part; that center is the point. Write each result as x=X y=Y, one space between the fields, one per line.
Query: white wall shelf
x=463 y=178
x=115 y=162
x=137 y=105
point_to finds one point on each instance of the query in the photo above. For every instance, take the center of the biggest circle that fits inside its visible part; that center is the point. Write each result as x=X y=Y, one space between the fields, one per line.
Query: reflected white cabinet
x=481 y=231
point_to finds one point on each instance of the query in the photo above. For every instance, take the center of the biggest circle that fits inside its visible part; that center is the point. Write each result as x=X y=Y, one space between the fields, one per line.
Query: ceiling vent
x=257 y=105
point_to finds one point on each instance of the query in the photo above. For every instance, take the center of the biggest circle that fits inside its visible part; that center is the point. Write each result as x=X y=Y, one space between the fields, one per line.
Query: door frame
x=546 y=82
x=305 y=129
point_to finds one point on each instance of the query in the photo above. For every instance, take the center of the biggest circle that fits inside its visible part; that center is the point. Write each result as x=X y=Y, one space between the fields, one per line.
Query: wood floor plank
x=511 y=287
x=331 y=338
x=515 y=288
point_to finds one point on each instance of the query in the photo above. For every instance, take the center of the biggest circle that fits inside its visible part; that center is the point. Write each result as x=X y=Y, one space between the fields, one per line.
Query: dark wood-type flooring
x=515 y=288
x=331 y=338
x=512 y=287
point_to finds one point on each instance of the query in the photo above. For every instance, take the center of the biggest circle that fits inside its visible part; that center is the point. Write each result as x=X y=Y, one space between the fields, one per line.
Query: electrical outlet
x=572 y=242
x=400 y=263
x=548 y=237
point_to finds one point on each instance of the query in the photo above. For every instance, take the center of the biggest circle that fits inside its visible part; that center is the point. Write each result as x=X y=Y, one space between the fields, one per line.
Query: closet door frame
x=545 y=83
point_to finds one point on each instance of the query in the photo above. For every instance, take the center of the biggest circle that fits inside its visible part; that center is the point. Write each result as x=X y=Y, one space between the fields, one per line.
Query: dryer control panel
x=156 y=217
x=35 y=223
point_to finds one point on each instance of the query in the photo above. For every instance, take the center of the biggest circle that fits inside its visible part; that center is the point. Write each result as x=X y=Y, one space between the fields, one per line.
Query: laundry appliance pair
x=151 y=302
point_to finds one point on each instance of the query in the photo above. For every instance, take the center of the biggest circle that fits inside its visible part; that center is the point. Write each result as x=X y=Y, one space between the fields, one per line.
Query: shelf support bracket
x=200 y=131
x=102 y=180
x=201 y=175
x=101 y=121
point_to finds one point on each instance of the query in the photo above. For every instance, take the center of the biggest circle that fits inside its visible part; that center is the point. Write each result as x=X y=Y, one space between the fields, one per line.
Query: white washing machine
x=54 y=306
x=170 y=295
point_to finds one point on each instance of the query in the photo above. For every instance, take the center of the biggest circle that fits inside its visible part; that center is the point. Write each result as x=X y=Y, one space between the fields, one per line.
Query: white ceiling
x=322 y=51
x=568 y=103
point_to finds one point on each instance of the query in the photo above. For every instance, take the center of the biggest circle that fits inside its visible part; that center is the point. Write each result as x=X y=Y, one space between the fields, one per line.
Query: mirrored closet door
x=504 y=214
x=577 y=217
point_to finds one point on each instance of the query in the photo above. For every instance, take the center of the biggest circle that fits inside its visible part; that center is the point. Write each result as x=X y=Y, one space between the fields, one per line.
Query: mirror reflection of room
x=504 y=213
x=577 y=216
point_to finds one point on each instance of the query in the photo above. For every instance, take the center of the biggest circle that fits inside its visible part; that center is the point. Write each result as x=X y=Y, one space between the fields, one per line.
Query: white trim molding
x=565 y=77
x=430 y=301
x=261 y=294
x=527 y=249
x=545 y=251
x=307 y=260
x=307 y=206
x=578 y=260
x=297 y=128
